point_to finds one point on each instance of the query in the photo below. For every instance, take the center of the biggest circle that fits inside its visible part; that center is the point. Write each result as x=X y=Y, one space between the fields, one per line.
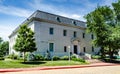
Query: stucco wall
x=43 y=38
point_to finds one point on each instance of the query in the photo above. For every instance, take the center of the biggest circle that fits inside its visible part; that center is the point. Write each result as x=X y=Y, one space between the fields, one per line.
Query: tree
x=25 y=41
x=4 y=48
x=1 y=40
x=104 y=22
x=98 y=22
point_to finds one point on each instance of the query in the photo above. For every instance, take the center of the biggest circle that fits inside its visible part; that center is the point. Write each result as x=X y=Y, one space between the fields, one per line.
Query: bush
x=73 y=56
x=56 y=58
x=29 y=57
x=95 y=57
x=13 y=56
x=47 y=59
x=78 y=59
x=2 y=58
x=64 y=58
x=16 y=57
x=38 y=57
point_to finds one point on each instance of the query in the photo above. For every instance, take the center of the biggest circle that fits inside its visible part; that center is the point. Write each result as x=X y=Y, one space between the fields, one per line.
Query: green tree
x=4 y=48
x=98 y=22
x=104 y=22
x=1 y=40
x=25 y=41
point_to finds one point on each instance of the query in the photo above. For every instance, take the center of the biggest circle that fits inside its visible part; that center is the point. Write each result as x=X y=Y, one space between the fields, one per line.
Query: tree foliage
x=104 y=22
x=4 y=47
x=0 y=40
x=25 y=41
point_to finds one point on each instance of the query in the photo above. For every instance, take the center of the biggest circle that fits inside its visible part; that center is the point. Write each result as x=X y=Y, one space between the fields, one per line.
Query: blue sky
x=14 y=12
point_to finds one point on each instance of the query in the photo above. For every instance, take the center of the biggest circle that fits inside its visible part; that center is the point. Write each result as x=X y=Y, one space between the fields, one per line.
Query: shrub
x=95 y=57
x=29 y=57
x=73 y=56
x=78 y=59
x=47 y=56
x=38 y=57
x=13 y=56
x=56 y=58
x=47 y=59
x=2 y=58
x=64 y=58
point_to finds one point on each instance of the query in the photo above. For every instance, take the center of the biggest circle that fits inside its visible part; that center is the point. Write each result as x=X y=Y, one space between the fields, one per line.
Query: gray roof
x=48 y=17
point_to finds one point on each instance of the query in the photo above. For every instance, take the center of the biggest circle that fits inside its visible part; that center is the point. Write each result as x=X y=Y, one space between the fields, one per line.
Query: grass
x=21 y=64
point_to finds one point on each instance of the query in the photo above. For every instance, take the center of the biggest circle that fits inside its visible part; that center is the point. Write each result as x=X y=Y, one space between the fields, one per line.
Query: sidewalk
x=57 y=67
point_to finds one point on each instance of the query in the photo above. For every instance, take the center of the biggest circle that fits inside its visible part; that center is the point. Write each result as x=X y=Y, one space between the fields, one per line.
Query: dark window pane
x=65 y=49
x=58 y=19
x=51 y=47
x=92 y=36
x=92 y=49
x=51 y=31
x=84 y=49
x=74 y=23
x=75 y=34
x=83 y=35
x=64 y=32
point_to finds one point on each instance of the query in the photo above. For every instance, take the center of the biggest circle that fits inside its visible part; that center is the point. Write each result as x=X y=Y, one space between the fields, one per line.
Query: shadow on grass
x=33 y=62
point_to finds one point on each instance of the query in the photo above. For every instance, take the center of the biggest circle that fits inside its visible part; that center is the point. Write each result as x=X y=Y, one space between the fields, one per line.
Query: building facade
x=57 y=34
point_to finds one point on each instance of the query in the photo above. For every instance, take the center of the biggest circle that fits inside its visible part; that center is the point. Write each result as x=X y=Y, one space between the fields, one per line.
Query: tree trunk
x=102 y=53
x=24 y=56
x=110 y=54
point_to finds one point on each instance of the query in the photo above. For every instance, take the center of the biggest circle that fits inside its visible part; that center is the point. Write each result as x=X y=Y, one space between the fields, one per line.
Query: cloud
x=73 y=16
x=5 y=31
x=59 y=10
x=10 y=10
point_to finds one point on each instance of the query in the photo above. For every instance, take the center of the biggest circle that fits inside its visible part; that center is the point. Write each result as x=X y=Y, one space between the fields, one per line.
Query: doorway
x=75 y=49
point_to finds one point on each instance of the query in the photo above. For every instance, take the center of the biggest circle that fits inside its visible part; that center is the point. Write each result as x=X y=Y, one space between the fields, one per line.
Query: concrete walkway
x=57 y=67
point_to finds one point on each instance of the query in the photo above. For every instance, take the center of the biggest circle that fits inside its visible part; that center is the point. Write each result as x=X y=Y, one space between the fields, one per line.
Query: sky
x=14 y=12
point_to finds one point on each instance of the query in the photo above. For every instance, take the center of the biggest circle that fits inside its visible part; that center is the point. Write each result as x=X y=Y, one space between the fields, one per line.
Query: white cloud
x=73 y=16
x=10 y=10
x=6 y=31
x=59 y=10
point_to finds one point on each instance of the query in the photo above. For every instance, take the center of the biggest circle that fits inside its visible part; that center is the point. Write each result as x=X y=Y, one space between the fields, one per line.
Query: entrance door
x=51 y=47
x=75 y=49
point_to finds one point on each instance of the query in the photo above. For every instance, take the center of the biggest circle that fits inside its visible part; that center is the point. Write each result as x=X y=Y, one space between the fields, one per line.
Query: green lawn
x=20 y=64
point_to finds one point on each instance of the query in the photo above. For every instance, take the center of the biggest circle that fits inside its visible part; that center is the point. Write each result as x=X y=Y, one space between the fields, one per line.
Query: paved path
x=87 y=70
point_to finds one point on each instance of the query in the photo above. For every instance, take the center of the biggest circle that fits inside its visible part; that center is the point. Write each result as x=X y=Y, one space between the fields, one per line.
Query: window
x=74 y=23
x=58 y=19
x=51 y=31
x=75 y=34
x=51 y=47
x=64 y=32
x=65 y=48
x=92 y=36
x=83 y=35
x=92 y=49
x=84 y=49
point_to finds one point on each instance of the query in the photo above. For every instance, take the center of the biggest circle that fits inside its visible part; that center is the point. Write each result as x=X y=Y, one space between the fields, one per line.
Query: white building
x=55 y=33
